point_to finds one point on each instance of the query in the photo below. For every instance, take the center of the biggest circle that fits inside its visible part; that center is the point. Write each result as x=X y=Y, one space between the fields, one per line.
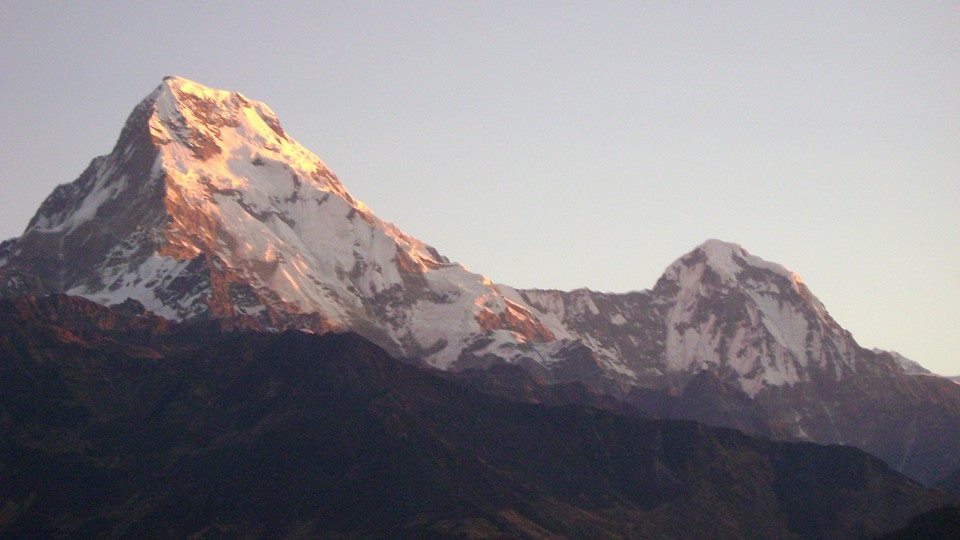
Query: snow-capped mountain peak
x=206 y=207
x=225 y=131
x=730 y=262
x=732 y=309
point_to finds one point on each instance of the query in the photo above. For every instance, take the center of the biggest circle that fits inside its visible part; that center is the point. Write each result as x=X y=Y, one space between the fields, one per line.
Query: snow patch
x=98 y=195
x=142 y=285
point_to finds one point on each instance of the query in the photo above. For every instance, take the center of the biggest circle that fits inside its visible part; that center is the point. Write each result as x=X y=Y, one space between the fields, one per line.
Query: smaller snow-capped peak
x=727 y=265
x=729 y=307
x=728 y=260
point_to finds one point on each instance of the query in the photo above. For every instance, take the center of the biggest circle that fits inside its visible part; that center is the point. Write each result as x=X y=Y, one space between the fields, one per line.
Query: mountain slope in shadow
x=114 y=422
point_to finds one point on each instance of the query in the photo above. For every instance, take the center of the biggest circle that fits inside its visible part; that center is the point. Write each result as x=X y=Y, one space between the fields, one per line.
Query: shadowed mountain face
x=207 y=209
x=950 y=482
x=114 y=422
x=942 y=523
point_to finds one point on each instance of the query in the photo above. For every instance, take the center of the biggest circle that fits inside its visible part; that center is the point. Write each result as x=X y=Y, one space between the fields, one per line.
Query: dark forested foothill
x=114 y=422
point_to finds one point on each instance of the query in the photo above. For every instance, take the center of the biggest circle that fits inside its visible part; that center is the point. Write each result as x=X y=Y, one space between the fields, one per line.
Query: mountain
x=116 y=422
x=206 y=209
x=729 y=339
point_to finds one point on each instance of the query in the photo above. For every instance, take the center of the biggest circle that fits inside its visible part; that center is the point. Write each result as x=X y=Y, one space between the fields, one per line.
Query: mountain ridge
x=207 y=209
x=208 y=431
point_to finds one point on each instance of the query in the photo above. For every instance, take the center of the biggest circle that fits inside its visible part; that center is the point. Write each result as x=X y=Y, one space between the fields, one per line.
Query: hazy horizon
x=564 y=147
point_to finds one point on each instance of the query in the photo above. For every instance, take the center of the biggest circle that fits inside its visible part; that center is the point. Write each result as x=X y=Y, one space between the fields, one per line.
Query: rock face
x=207 y=209
x=115 y=422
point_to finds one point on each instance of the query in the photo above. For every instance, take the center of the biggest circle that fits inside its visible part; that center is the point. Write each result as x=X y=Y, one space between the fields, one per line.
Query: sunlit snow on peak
x=728 y=260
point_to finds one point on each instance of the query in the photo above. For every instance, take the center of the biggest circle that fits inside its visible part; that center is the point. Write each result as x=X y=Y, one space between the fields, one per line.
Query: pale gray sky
x=584 y=145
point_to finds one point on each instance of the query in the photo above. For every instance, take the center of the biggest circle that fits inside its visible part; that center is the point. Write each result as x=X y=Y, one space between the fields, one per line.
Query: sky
x=587 y=144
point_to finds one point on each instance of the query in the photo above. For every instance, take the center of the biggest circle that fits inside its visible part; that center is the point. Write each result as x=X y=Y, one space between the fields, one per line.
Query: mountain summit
x=207 y=209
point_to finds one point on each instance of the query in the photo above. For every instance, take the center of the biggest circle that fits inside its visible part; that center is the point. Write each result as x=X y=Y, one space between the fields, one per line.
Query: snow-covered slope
x=207 y=208
x=716 y=308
